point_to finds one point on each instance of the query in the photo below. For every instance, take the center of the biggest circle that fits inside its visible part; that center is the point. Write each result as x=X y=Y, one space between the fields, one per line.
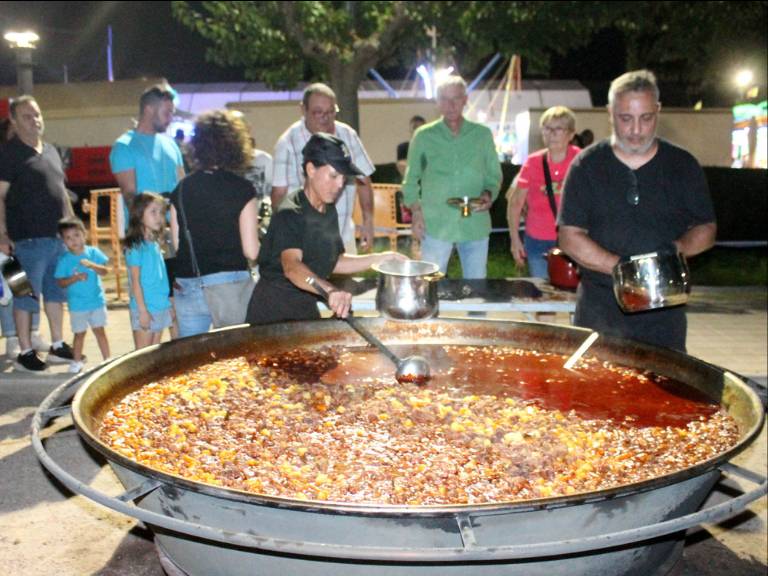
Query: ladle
x=413 y=369
x=576 y=356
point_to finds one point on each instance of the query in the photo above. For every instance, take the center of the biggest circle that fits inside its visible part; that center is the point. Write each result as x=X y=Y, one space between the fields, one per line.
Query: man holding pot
x=633 y=194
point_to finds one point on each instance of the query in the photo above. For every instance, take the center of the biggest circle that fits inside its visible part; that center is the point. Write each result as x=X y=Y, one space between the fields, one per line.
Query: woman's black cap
x=322 y=149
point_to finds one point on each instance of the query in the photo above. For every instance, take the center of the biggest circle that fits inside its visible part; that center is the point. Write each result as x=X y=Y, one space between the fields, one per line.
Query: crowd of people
x=192 y=240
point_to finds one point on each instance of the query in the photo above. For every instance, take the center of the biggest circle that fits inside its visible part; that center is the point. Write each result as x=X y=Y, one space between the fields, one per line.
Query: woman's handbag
x=227 y=302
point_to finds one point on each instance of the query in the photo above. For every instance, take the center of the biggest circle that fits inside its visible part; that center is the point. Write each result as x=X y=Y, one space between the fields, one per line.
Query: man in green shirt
x=452 y=158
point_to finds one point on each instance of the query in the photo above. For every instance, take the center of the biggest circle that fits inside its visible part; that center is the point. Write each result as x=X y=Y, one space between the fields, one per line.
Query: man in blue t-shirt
x=146 y=159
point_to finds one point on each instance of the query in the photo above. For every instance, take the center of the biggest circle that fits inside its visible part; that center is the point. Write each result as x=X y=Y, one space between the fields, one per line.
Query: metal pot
x=655 y=280
x=16 y=278
x=629 y=530
x=407 y=290
x=563 y=272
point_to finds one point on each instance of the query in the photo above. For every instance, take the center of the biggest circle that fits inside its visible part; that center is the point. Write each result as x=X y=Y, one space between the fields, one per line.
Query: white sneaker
x=75 y=367
x=12 y=348
x=38 y=343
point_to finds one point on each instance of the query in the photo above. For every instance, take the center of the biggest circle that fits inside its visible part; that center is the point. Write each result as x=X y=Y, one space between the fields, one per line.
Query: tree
x=283 y=43
x=698 y=44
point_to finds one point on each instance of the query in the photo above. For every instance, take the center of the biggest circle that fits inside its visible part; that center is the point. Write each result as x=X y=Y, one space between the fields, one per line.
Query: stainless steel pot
x=407 y=290
x=630 y=530
x=655 y=280
x=16 y=278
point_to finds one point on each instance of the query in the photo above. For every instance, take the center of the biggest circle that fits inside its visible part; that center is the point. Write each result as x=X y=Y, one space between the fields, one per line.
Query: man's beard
x=159 y=127
x=633 y=150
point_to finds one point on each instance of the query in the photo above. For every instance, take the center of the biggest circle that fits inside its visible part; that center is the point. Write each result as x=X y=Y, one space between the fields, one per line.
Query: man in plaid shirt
x=319 y=110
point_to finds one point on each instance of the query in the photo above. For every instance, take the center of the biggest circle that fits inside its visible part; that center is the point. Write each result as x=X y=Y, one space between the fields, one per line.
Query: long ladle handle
x=357 y=327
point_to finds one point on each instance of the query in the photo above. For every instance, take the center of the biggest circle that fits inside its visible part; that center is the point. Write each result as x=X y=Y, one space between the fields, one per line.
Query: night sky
x=146 y=40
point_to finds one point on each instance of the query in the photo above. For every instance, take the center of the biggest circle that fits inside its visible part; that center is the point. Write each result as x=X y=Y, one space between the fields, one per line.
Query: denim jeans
x=473 y=255
x=7 y=323
x=536 y=252
x=38 y=257
x=192 y=312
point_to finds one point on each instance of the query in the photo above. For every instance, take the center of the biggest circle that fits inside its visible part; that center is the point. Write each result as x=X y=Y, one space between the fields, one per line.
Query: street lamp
x=743 y=80
x=23 y=43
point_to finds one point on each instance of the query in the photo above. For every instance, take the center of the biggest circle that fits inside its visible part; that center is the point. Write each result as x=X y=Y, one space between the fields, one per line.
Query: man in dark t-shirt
x=33 y=198
x=633 y=194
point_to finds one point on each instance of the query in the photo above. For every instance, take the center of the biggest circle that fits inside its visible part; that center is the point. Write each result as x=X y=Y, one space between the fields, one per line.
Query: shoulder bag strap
x=550 y=191
x=187 y=233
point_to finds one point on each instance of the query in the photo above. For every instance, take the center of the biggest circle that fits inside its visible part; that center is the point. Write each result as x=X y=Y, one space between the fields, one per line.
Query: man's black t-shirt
x=402 y=150
x=213 y=201
x=673 y=197
x=300 y=227
x=37 y=197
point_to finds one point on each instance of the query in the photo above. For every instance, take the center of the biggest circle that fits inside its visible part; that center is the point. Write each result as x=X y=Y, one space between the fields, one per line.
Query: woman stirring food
x=303 y=242
x=558 y=125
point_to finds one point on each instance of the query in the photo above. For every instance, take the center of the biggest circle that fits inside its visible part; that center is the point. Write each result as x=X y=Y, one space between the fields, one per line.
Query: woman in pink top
x=558 y=125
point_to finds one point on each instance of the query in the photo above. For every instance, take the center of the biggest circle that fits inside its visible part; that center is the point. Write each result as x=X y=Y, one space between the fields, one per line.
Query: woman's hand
x=517 y=248
x=340 y=302
x=389 y=255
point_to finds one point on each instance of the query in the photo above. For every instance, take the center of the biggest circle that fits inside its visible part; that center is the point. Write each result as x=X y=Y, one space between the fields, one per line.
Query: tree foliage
x=283 y=43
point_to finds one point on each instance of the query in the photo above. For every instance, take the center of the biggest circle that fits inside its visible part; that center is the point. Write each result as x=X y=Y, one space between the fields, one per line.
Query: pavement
x=46 y=530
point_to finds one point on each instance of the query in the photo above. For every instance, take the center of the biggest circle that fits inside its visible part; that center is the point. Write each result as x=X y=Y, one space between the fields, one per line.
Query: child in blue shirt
x=150 y=303
x=78 y=271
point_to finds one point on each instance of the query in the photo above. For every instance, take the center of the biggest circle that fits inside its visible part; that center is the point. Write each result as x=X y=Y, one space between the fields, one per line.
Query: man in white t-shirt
x=319 y=110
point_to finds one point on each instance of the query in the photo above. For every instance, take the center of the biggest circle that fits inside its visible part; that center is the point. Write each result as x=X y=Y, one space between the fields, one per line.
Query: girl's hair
x=222 y=140
x=135 y=234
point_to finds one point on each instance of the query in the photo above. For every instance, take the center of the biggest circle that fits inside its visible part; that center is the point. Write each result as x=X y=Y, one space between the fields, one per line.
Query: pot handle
x=52 y=407
x=434 y=277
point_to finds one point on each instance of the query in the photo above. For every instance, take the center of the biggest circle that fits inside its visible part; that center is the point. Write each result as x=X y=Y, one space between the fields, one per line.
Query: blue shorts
x=81 y=319
x=38 y=257
x=160 y=320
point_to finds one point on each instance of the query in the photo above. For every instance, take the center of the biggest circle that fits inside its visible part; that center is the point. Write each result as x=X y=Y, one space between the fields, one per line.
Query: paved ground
x=45 y=530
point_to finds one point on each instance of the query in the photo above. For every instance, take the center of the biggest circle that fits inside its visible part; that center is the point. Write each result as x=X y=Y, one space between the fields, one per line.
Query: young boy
x=78 y=271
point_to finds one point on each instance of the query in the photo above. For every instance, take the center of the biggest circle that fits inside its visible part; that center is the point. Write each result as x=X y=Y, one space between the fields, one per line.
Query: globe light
x=744 y=78
x=23 y=44
x=22 y=39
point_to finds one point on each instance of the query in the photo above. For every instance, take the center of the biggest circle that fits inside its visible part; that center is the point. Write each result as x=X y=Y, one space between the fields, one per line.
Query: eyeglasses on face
x=324 y=113
x=633 y=192
x=554 y=129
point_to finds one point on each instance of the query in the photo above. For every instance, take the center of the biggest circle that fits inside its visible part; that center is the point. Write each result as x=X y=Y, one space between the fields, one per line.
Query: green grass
x=718 y=267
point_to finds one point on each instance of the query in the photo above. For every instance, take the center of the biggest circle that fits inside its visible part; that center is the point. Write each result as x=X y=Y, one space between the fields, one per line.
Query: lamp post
x=23 y=43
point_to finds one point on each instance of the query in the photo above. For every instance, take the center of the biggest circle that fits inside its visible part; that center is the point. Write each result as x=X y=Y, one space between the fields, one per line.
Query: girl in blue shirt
x=150 y=303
